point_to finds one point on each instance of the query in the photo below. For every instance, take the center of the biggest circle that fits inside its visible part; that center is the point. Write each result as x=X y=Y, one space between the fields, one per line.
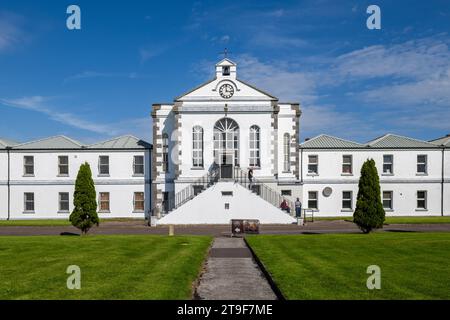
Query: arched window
x=286 y=152
x=165 y=152
x=197 y=147
x=254 y=147
x=226 y=142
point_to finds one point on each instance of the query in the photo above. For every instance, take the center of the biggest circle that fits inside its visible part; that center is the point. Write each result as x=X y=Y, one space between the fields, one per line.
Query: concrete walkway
x=231 y=273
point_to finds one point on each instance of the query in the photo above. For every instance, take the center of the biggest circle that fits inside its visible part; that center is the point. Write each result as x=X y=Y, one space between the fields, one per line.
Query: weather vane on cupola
x=225 y=53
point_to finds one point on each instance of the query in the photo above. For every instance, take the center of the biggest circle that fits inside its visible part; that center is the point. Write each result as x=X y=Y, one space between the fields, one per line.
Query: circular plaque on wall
x=327 y=191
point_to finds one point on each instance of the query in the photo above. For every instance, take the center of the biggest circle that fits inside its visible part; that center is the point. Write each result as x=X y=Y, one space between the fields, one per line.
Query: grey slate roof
x=56 y=142
x=444 y=141
x=123 y=142
x=65 y=143
x=395 y=141
x=7 y=143
x=329 y=142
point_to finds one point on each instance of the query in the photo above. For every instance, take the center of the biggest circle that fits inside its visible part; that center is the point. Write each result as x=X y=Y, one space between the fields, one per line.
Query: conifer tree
x=84 y=214
x=369 y=213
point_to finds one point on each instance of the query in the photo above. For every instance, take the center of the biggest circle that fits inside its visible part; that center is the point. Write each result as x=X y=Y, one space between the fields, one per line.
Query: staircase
x=262 y=190
x=192 y=190
x=212 y=177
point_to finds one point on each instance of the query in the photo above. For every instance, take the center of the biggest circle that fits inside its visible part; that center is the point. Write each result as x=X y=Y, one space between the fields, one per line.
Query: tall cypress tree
x=84 y=214
x=369 y=213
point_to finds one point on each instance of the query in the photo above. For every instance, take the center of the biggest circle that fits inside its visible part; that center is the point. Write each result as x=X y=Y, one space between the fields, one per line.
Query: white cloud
x=11 y=34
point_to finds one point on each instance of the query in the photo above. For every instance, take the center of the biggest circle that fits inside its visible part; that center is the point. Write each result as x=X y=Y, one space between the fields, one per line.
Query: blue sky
x=100 y=81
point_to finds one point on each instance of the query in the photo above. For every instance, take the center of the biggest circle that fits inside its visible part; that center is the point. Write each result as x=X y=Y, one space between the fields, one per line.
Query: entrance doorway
x=226 y=146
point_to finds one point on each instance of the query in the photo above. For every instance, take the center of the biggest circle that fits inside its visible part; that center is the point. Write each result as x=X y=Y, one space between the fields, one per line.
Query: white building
x=37 y=178
x=414 y=175
x=204 y=144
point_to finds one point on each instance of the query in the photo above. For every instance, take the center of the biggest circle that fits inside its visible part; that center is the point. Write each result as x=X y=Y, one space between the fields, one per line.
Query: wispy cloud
x=97 y=74
x=11 y=32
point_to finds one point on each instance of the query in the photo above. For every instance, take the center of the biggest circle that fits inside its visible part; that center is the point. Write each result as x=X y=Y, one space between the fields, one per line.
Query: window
x=63 y=205
x=286 y=152
x=226 y=142
x=138 y=165
x=347 y=200
x=422 y=164
x=422 y=200
x=312 y=200
x=227 y=206
x=226 y=71
x=286 y=193
x=28 y=165
x=63 y=165
x=227 y=193
x=313 y=164
x=104 y=202
x=388 y=164
x=165 y=152
x=347 y=164
x=28 y=198
x=387 y=200
x=138 y=202
x=103 y=165
x=197 y=147
x=254 y=147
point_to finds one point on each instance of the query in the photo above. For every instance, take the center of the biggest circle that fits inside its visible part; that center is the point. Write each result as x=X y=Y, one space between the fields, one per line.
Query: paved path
x=140 y=227
x=231 y=273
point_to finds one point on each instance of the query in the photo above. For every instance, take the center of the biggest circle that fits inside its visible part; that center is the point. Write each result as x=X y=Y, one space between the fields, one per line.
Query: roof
x=444 y=141
x=123 y=142
x=329 y=142
x=56 y=142
x=395 y=141
x=7 y=143
x=65 y=143
x=225 y=62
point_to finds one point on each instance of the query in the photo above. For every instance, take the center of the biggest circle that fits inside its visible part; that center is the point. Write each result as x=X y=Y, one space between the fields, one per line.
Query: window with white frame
x=347 y=203
x=197 y=147
x=103 y=200
x=313 y=164
x=421 y=200
x=286 y=152
x=138 y=165
x=103 y=165
x=388 y=164
x=255 y=160
x=387 y=200
x=165 y=152
x=28 y=165
x=28 y=198
x=347 y=164
x=313 y=200
x=63 y=202
x=422 y=164
x=138 y=202
x=63 y=165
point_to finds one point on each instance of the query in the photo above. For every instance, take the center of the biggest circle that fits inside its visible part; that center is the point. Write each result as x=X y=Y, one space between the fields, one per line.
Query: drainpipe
x=442 y=183
x=8 y=183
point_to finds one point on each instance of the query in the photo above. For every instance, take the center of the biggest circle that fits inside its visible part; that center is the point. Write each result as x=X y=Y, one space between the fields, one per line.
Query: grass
x=112 y=267
x=53 y=222
x=413 y=265
x=396 y=220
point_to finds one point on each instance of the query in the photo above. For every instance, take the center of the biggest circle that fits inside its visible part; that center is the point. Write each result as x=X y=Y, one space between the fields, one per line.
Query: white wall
x=46 y=184
x=404 y=182
x=3 y=184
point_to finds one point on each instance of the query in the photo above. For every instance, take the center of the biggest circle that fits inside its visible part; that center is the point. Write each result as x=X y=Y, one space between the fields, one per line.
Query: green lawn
x=413 y=265
x=52 y=222
x=112 y=267
x=400 y=220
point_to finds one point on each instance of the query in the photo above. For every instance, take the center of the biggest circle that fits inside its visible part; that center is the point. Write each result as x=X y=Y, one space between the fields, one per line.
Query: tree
x=369 y=213
x=84 y=214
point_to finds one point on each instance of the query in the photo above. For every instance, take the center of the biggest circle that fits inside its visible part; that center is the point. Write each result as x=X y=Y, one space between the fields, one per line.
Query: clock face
x=226 y=91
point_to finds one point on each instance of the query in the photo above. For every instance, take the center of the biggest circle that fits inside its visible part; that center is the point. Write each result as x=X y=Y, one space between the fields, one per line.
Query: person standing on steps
x=298 y=208
x=250 y=178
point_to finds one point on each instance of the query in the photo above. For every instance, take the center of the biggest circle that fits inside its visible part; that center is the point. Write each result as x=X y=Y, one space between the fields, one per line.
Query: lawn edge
x=201 y=271
x=266 y=273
